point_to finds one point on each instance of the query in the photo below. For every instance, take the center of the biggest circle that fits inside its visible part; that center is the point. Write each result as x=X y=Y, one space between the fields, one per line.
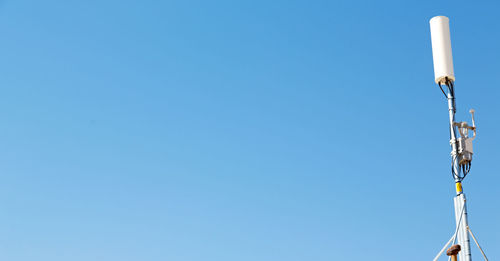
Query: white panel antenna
x=441 y=49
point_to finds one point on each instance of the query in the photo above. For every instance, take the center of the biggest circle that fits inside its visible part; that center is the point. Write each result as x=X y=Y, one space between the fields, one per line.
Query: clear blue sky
x=240 y=130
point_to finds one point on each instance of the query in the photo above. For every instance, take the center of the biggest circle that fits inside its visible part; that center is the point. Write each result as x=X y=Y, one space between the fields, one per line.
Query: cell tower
x=460 y=141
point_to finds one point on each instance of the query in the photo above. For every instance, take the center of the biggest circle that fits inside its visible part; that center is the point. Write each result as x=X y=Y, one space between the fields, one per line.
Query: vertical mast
x=461 y=147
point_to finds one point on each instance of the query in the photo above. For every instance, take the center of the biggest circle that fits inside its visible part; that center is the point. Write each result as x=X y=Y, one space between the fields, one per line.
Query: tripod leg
x=444 y=248
x=477 y=244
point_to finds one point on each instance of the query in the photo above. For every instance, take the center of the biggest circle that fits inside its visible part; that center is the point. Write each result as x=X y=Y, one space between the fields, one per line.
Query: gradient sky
x=240 y=130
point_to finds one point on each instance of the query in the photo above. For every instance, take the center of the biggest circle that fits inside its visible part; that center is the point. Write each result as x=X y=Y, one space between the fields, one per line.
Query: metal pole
x=459 y=200
x=462 y=224
x=453 y=136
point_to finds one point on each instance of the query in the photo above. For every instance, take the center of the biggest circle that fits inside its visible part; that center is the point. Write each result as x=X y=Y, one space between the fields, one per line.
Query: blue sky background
x=240 y=130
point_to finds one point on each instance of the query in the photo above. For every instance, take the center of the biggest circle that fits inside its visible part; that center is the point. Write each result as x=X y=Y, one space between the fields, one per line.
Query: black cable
x=441 y=87
x=455 y=175
x=452 y=88
x=468 y=168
